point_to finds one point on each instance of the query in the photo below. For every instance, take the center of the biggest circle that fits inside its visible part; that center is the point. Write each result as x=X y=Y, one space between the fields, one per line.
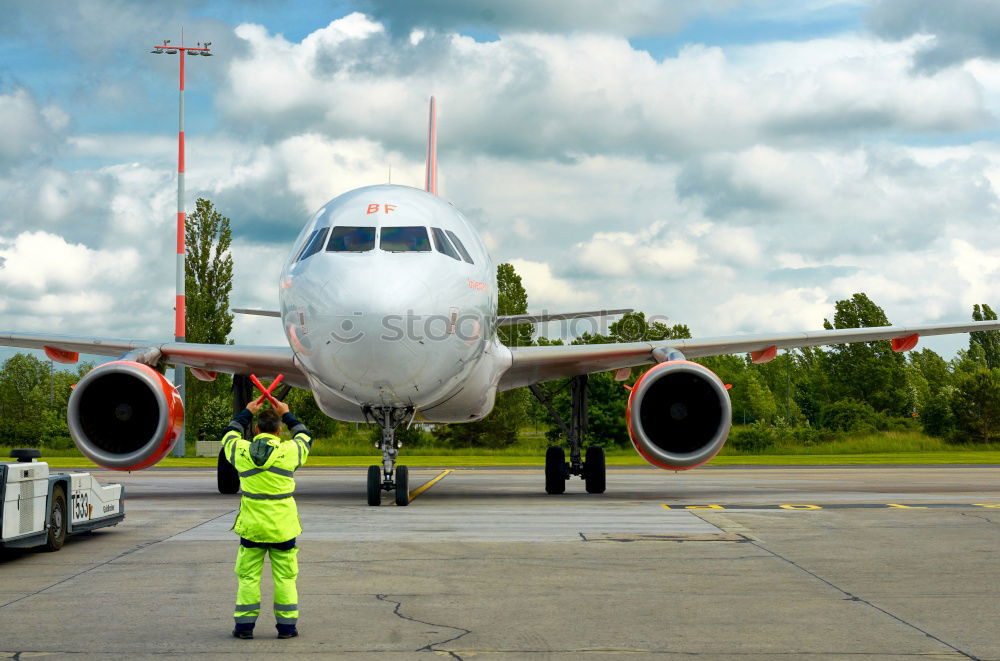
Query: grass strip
x=942 y=457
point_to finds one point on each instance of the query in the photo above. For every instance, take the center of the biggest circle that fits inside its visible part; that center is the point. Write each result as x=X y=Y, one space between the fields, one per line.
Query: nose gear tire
x=402 y=486
x=374 y=485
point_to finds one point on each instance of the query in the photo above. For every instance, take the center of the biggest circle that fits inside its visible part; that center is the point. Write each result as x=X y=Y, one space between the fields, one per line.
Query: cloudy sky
x=736 y=166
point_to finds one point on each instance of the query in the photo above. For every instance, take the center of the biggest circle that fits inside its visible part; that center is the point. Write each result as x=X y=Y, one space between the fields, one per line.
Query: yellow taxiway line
x=427 y=485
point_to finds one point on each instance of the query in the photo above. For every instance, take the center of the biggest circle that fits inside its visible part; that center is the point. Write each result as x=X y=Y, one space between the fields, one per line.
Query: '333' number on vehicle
x=81 y=506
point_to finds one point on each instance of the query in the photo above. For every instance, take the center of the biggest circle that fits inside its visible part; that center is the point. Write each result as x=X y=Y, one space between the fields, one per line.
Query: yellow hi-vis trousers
x=284 y=571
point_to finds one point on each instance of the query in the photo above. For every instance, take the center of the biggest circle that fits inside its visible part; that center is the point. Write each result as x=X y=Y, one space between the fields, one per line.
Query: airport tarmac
x=829 y=562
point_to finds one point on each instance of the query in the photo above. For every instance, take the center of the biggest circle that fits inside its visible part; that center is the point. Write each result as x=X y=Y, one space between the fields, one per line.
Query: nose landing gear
x=388 y=476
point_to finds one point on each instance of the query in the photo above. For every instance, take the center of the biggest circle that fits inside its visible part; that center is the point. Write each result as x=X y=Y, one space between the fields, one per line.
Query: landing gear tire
x=58 y=521
x=226 y=476
x=402 y=486
x=555 y=470
x=594 y=470
x=374 y=485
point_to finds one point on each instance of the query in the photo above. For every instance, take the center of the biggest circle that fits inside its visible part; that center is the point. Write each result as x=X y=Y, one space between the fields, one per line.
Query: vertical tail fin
x=431 y=180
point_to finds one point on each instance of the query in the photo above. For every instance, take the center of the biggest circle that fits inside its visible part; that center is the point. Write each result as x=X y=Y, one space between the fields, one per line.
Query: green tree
x=634 y=327
x=497 y=430
x=303 y=405
x=33 y=397
x=24 y=388
x=753 y=398
x=968 y=361
x=849 y=415
x=208 y=278
x=933 y=368
x=208 y=272
x=812 y=389
x=937 y=416
x=988 y=340
x=867 y=371
x=512 y=299
x=976 y=406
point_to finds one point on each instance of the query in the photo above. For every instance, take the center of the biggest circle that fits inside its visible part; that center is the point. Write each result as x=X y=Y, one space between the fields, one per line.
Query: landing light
x=205 y=53
x=172 y=51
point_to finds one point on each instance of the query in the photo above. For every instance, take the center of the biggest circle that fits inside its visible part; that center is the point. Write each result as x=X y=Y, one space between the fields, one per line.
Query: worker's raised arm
x=236 y=428
x=300 y=434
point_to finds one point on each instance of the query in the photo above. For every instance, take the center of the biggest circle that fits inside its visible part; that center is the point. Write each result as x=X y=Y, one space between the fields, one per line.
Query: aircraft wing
x=515 y=319
x=535 y=364
x=265 y=362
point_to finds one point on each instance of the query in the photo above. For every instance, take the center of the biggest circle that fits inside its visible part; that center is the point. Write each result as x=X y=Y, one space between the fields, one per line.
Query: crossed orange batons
x=266 y=392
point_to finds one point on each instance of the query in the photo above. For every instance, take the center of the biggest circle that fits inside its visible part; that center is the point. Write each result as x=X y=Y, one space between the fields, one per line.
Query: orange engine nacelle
x=125 y=415
x=679 y=415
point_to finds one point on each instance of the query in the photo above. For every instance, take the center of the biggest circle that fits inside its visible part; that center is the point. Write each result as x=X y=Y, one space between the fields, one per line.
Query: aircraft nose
x=377 y=344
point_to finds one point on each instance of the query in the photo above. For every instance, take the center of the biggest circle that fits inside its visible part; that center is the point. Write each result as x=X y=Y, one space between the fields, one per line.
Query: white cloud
x=646 y=252
x=35 y=262
x=545 y=289
x=30 y=130
x=548 y=95
x=775 y=311
x=736 y=189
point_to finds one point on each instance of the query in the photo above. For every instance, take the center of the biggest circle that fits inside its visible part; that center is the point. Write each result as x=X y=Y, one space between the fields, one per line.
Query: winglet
x=431 y=179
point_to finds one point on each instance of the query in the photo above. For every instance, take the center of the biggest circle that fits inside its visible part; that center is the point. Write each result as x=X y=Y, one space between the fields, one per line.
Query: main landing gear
x=557 y=469
x=389 y=476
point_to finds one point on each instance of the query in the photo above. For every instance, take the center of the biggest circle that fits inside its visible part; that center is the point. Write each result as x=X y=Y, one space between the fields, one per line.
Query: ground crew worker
x=268 y=521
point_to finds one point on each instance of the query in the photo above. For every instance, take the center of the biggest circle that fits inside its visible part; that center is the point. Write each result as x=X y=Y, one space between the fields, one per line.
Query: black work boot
x=243 y=631
x=286 y=631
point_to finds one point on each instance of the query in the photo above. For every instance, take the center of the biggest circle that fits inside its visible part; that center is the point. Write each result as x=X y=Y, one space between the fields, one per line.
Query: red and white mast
x=179 y=299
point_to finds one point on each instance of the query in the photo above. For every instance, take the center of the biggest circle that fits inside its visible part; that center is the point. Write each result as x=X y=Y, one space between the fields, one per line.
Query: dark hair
x=268 y=422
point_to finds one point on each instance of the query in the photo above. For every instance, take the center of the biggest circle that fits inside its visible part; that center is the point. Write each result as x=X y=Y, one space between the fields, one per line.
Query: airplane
x=388 y=300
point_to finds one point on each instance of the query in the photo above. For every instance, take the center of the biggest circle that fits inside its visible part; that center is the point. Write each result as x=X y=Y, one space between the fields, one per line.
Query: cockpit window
x=305 y=245
x=405 y=239
x=315 y=243
x=458 y=244
x=351 y=239
x=443 y=244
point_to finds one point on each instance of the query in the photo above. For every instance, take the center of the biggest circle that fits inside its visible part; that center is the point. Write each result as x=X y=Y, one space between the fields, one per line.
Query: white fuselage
x=389 y=298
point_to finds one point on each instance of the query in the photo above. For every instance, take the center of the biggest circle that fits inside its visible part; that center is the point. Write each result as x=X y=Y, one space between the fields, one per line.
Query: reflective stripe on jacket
x=267 y=508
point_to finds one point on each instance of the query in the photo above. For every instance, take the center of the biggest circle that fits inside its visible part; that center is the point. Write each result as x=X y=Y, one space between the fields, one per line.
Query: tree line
x=809 y=395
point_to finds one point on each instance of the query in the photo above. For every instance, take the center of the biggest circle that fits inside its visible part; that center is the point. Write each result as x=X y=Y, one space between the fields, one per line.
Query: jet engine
x=125 y=415
x=678 y=415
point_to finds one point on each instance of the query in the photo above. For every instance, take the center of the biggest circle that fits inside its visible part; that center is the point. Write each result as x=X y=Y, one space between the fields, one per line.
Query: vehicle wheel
x=58 y=521
x=594 y=470
x=402 y=486
x=226 y=475
x=374 y=485
x=555 y=470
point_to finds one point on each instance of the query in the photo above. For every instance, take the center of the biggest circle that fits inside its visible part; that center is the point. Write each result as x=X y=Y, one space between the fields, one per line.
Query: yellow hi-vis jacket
x=267 y=508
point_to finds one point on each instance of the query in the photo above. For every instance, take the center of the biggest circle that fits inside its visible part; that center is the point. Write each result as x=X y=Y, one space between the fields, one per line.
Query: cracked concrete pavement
x=485 y=565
